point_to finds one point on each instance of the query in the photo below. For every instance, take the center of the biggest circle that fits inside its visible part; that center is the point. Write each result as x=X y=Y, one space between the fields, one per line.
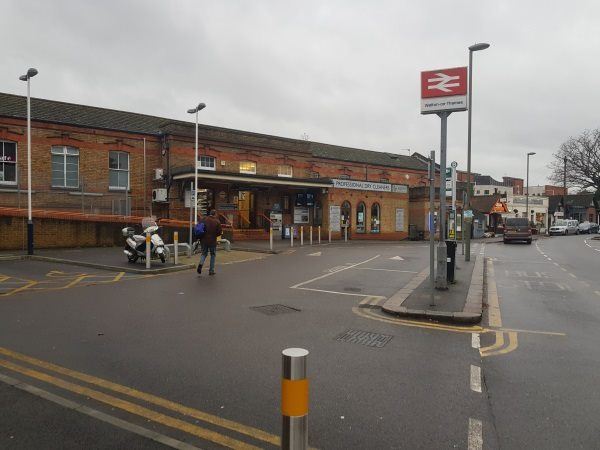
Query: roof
x=15 y=106
x=484 y=203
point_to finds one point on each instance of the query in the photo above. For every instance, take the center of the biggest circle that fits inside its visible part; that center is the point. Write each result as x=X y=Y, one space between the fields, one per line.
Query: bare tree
x=582 y=155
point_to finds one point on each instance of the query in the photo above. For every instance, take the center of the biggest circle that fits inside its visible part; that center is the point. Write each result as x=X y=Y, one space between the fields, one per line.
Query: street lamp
x=527 y=194
x=472 y=48
x=195 y=110
x=30 y=74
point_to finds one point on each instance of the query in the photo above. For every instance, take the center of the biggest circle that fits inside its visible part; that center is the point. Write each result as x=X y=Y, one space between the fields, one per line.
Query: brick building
x=95 y=161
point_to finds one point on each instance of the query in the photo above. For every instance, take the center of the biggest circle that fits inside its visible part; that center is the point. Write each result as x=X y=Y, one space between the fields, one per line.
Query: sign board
x=335 y=218
x=400 y=219
x=400 y=188
x=227 y=206
x=451 y=183
x=276 y=221
x=362 y=185
x=444 y=90
x=468 y=214
x=301 y=214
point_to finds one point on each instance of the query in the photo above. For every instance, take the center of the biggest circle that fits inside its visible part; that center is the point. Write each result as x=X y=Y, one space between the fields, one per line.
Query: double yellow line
x=134 y=408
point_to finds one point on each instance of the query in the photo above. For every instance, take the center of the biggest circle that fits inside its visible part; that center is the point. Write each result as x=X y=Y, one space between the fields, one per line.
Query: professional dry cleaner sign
x=362 y=185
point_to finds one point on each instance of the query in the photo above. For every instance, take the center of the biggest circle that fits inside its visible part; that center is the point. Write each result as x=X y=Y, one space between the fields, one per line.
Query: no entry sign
x=444 y=90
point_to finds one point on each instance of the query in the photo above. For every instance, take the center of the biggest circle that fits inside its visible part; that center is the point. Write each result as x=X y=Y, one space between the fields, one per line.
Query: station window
x=486 y=192
x=344 y=176
x=8 y=162
x=384 y=180
x=375 y=218
x=248 y=167
x=118 y=170
x=284 y=170
x=65 y=167
x=207 y=162
x=314 y=175
x=361 y=212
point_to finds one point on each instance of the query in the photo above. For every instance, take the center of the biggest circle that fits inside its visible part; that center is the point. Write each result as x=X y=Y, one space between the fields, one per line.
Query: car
x=588 y=227
x=517 y=229
x=564 y=227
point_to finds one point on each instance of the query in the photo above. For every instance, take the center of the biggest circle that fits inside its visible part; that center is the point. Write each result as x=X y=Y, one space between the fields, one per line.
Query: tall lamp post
x=30 y=74
x=195 y=110
x=527 y=194
x=472 y=48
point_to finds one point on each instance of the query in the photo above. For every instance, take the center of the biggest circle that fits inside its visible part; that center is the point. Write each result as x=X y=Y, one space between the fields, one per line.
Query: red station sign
x=444 y=90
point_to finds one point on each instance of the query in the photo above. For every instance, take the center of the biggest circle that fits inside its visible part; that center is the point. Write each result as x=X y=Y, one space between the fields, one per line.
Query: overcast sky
x=342 y=72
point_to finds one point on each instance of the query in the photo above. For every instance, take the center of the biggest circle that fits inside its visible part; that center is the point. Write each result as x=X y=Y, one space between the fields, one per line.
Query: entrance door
x=346 y=216
x=246 y=209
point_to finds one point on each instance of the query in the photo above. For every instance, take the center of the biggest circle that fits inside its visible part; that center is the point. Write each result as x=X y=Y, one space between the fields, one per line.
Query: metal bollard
x=176 y=247
x=310 y=234
x=345 y=234
x=292 y=236
x=294 y=400
x=271 y=238
x=330 y=235
x=319 y=234
x=148 y=241
x=302 y=235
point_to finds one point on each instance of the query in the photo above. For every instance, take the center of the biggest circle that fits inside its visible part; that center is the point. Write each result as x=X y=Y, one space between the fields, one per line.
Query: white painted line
x=387 y=270
x=549 y=259
x=570 y=274
x=114 y=421
x=475 y=378
x=314 y=254
x=475 y=440
x=296 y=286
x=563 y=269
x=475 y=340
x=556 y=264
x=397 y=258
x=597 y=293
x=331 y=292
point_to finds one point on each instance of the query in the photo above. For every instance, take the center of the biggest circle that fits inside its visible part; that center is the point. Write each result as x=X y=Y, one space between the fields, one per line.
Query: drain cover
x=366 y=338
x=272 y=310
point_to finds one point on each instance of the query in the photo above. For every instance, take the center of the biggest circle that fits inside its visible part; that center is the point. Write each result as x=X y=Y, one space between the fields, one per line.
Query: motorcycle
x=135 y=244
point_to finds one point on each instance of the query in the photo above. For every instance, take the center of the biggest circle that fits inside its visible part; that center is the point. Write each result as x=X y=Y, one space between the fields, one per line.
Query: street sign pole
x=432 y=226
x=441 y=281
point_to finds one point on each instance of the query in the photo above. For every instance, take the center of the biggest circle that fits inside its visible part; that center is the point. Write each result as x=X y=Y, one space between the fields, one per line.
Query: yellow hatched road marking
x=206 y=417
x=513 y=343
x=19 y=289
x=131 y=408
x=499 y=343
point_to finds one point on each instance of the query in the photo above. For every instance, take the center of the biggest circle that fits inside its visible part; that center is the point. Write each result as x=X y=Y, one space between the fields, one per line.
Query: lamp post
x=195 y=110
x=30 y=74
x=527 y=194
x=472 y=48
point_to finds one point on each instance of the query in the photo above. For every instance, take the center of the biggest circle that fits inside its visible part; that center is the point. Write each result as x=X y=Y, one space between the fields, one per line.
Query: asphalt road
x=544 y=393
x=212 y=361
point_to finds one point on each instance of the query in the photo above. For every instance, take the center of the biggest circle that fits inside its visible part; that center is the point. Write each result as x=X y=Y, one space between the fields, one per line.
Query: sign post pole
x=432 y=226
x=441 y=281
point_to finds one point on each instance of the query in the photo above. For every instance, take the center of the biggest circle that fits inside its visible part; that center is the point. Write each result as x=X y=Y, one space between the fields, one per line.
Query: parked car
x=564 y=227
x=517 y=229
x=588 y=227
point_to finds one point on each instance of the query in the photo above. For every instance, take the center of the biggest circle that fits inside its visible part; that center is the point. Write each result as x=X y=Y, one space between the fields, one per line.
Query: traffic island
x=462 y=303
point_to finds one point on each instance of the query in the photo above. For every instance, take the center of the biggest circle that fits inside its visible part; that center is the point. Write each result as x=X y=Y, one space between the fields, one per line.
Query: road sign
x=444 y=90
x=468 y=214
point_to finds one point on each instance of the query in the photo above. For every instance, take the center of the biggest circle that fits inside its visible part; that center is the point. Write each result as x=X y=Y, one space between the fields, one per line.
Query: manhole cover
x=352 y=289
x=366 y=338
x=271 y=310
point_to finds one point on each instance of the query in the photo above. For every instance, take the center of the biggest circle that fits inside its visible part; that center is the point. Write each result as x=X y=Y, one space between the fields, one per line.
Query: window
x=65 y=167
x=486 y=192
x=8 y=162
x=375 y=219
x=248 y=167
x=345 y=214
x=344 y=177
x=284 y=170
x=207 y=162
x=314 y=175
x=360 y=217
x=384 y=180
x=118 y=170
x=478 y=191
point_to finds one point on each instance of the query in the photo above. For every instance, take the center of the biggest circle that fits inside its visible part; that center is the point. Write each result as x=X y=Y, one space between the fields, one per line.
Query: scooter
x=135 y=244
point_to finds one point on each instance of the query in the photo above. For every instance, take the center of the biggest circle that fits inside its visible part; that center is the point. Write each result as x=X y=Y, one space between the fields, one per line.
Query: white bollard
x=271 y=237
x=176 y=247
x=310 y=234
x=319 y=234
x=292 y=236
x=302 y=235
x=148 y=243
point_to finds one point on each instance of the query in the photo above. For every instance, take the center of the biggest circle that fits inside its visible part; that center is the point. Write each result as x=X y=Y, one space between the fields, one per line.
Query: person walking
x=209 y=241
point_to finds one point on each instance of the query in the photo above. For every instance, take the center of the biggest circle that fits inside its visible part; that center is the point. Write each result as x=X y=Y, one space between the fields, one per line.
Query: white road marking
x=570 y=274
x=314 y=254
x=397 y=258
x=296 y=286
x=475 y=340
x=387 y=270
x=331 y=292
x=549 y=259
x=556 y=264
x=475 y=378
x=563 y=269
x=597 y=293
x=475 y=440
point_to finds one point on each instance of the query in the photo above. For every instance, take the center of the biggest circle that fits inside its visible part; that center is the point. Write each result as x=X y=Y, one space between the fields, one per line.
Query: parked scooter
x=135 y=244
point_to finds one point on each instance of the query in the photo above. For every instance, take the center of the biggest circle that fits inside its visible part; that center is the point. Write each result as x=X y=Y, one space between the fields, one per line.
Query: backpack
x=199 y=230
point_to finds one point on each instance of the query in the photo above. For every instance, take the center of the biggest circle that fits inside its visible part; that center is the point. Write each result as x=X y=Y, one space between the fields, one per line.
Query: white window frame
x=203 y=159
x=250 y=172
x=128 y=170
x=16 y=163
x=63 y=150
x=314 y=174
x=281 y=173
x=344 y=176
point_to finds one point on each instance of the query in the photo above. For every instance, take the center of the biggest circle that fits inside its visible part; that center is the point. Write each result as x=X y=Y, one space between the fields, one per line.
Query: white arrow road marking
x=314 y=254
x=397 y=258
x=443 y=82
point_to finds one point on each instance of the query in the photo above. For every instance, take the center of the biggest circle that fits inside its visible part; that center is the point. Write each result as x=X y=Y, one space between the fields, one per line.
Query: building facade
x=96 y=161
